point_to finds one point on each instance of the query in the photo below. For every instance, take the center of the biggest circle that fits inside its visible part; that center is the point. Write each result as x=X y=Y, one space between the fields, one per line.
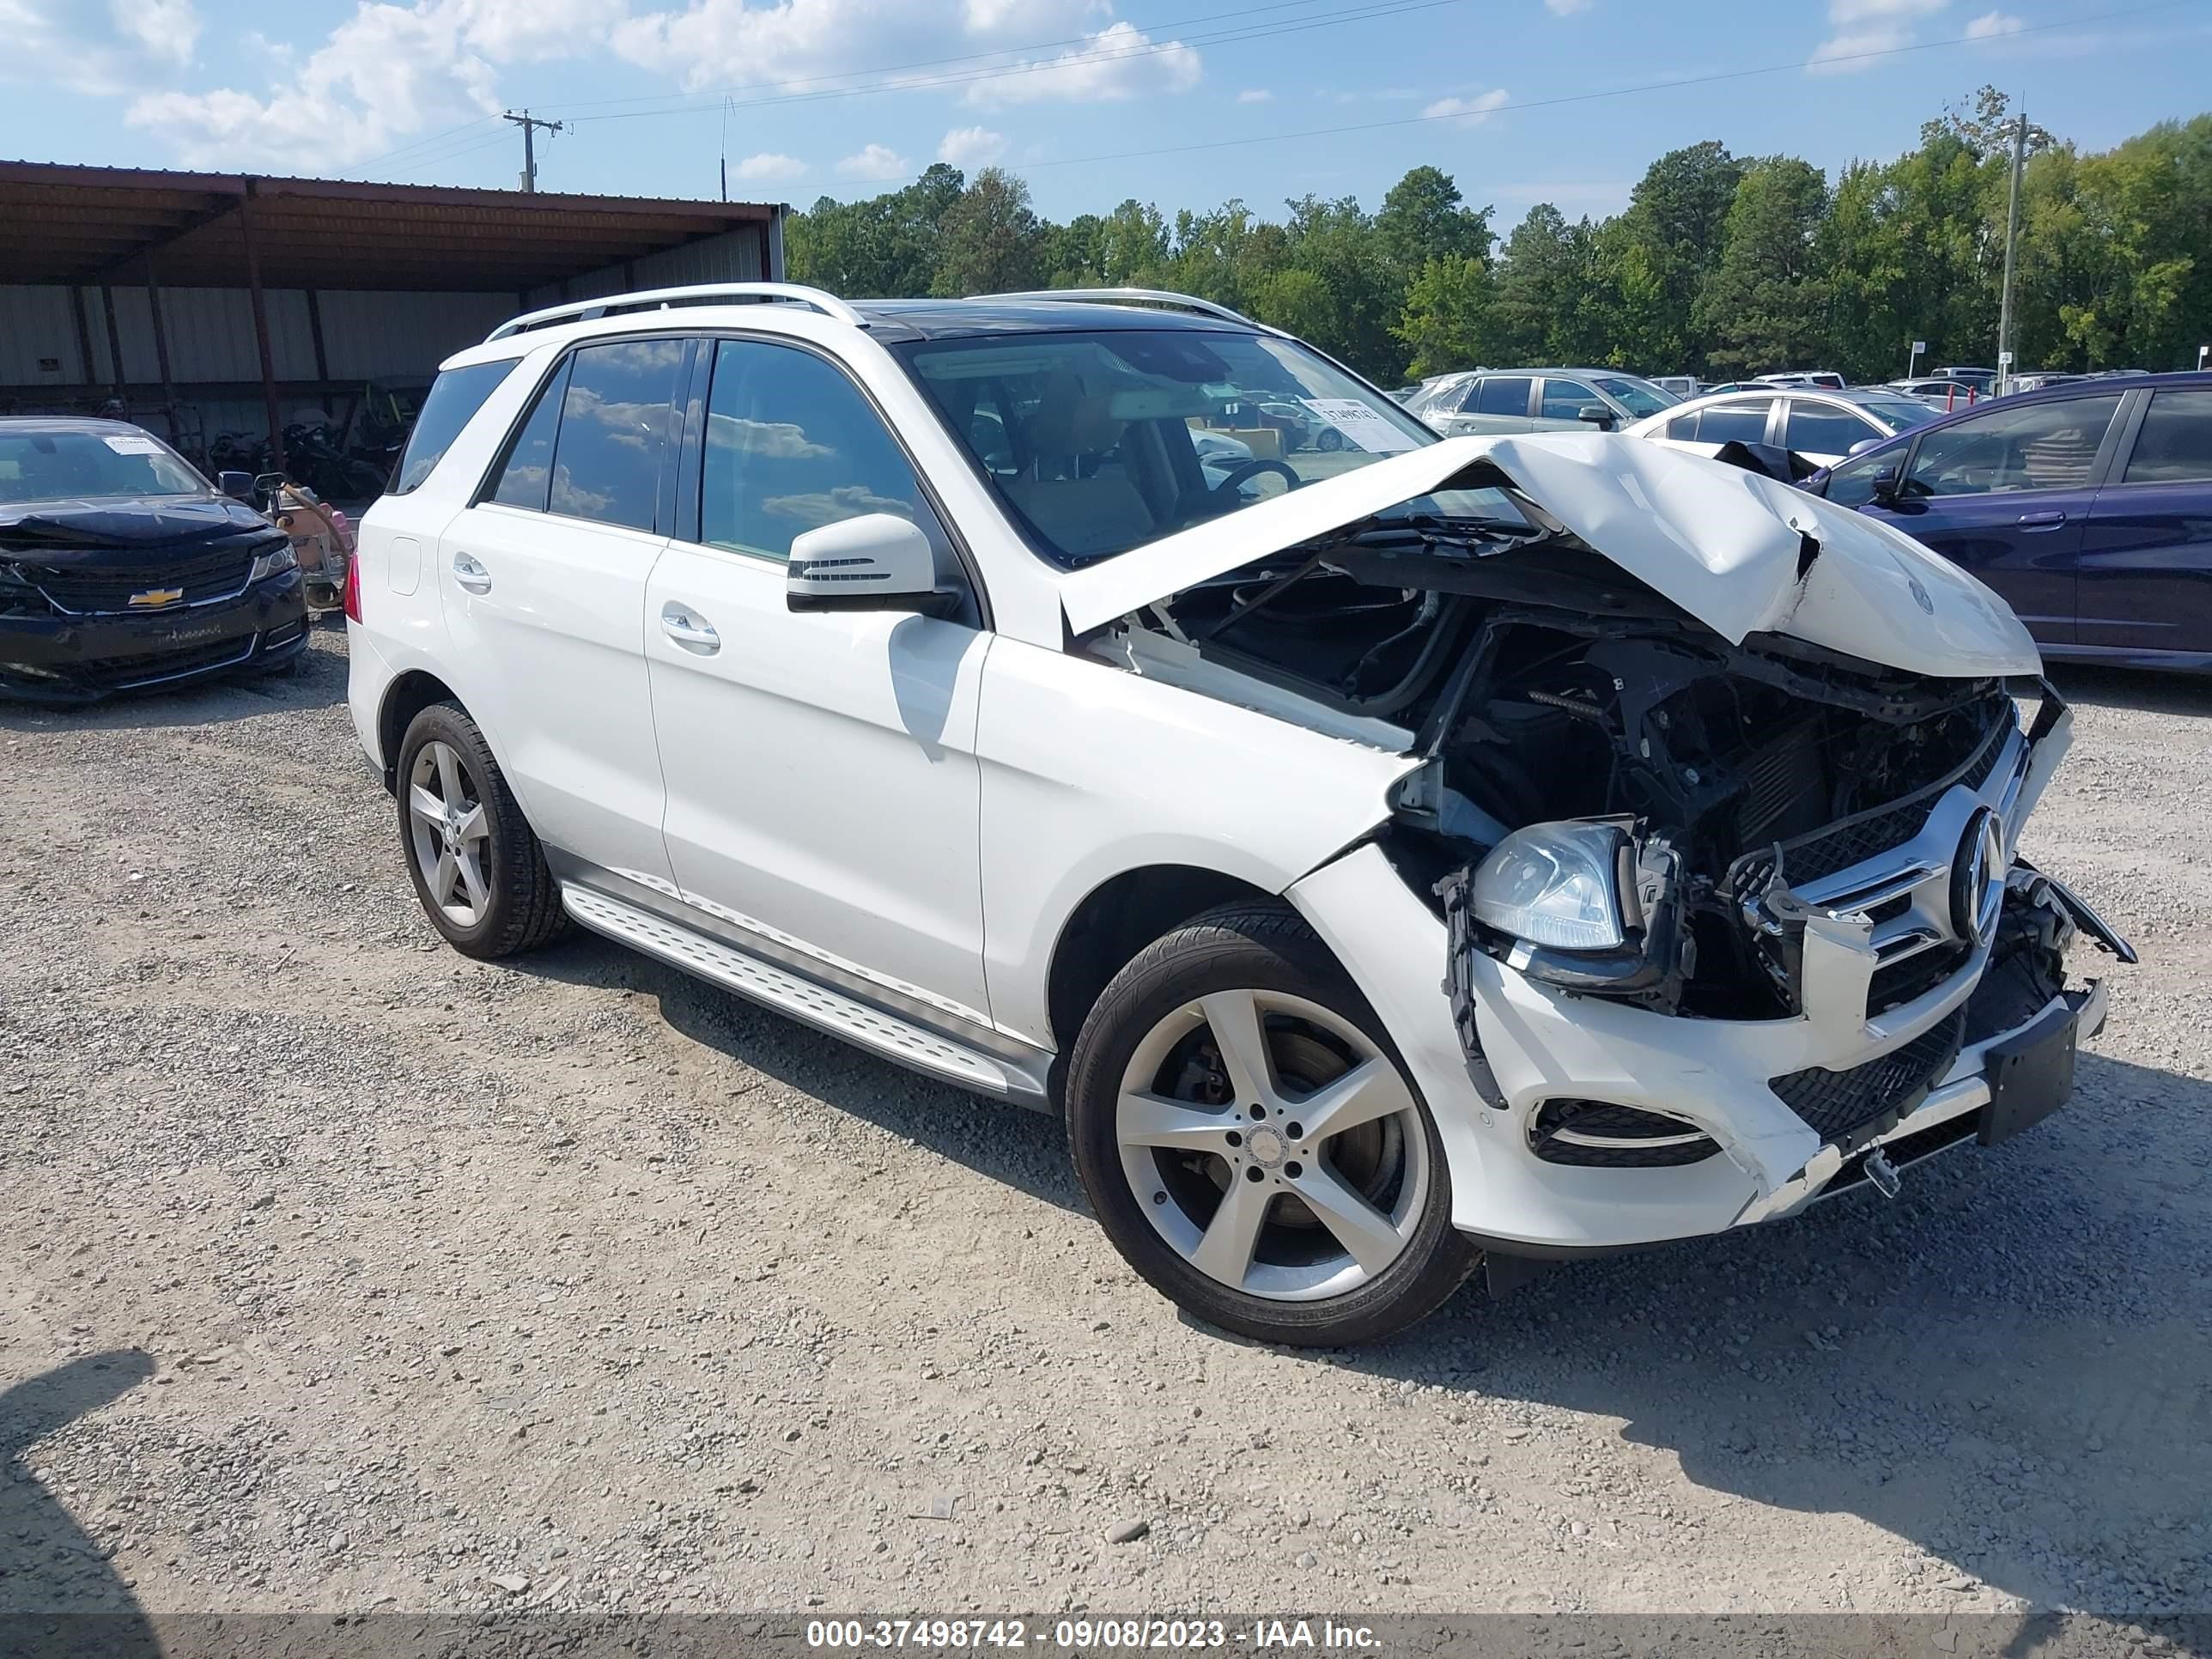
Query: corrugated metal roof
x=77 y=224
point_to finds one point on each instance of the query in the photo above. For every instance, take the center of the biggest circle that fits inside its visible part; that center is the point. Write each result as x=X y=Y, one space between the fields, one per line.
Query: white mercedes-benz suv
x=1391 y=856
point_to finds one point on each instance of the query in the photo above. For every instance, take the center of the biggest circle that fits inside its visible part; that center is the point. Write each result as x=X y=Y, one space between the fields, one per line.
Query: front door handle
x=2049 y=521
x=469 y=575
x=691 y=631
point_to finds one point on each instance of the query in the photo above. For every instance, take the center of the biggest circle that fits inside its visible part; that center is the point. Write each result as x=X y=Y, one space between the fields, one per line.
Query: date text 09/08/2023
x=1087 y=1635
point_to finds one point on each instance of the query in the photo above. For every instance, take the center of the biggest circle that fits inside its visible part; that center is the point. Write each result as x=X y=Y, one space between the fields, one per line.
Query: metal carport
x=180 y=290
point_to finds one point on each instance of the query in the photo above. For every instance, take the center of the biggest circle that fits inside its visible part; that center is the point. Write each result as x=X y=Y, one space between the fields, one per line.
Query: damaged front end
x=1745 y=766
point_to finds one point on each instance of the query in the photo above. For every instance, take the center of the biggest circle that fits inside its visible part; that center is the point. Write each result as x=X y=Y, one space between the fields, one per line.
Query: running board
x=786 y=993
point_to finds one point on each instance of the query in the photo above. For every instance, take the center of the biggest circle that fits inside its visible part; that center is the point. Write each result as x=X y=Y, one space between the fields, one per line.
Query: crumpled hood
x=73 y=532
x=1725 y=544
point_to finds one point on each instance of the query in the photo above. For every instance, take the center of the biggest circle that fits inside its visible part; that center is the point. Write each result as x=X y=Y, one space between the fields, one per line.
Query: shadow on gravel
x=48 y=1564
x=316 y=680
x=2010 y=1366
x=1024 y=1149
x=2129 y=688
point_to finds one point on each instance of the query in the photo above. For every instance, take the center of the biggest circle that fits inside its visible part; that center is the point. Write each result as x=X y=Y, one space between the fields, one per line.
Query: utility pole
x=2012 y=241
x=530 y=123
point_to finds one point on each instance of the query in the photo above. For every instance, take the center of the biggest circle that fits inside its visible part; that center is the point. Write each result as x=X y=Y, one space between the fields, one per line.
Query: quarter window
x=792 y=446
x=1503 y=394
x=617 y=423
x=453 y=400
x=2175 y=444
x=2050 y=445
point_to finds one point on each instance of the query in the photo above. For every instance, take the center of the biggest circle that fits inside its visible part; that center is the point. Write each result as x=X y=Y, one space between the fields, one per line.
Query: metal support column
x=261 y=329
x=114 y=341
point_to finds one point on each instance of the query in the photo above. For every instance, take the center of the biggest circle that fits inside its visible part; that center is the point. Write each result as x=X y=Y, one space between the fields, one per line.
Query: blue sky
x=1092 y=101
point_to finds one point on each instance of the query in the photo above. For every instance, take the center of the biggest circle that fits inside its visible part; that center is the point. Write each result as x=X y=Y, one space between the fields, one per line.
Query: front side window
x=618 y=426
x=1564 y=400
x=1825 y=429
x=1744 y=421
x=59 y=463
x=454 y=398
x=792 y=446
x=2175 y=444
x=1504 y=394
x=2050 y=445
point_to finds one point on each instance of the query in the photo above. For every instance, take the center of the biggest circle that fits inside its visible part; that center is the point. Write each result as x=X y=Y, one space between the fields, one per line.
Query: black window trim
x=691 y=467
x=482 y=497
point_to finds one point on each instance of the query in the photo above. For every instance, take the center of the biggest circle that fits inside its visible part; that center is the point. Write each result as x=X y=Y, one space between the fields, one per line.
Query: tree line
x=1720 y=265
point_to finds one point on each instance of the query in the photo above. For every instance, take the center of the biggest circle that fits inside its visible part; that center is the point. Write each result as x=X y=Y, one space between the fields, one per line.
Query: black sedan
x=122 y=567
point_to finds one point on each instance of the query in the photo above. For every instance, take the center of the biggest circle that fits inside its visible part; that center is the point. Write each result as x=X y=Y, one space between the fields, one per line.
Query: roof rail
x=664 y=298
x=1162 y=298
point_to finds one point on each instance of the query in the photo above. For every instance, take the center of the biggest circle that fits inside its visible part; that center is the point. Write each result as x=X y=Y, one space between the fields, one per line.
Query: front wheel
x=1251 y=1142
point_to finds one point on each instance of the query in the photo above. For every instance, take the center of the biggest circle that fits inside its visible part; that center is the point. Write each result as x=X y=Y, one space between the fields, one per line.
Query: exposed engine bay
x=1541 y=682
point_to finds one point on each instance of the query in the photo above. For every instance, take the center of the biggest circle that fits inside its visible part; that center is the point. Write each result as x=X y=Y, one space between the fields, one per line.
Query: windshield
x=66 y=466
x=1638 y=397
x=1099 y=442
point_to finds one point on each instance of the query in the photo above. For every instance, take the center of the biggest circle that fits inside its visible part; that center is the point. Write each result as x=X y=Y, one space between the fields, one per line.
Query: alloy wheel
x=449 y=833
x=1273 y=1145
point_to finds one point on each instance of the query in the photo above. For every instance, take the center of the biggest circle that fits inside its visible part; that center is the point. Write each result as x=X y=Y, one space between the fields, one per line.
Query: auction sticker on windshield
x=126 y=445
x=1360 y=425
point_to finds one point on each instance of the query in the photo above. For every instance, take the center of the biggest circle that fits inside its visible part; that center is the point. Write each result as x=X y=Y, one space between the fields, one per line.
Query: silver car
x=1820 y=425
x=1542 y=400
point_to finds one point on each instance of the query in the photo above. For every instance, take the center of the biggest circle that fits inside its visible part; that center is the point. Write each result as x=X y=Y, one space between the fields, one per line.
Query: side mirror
x=1861 y=445
x=239 y=486
x=878 y=562
x=1597 y=415
x=1887 y=486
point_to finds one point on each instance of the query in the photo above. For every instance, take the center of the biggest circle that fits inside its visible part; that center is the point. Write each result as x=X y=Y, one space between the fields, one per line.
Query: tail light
x=352 y=589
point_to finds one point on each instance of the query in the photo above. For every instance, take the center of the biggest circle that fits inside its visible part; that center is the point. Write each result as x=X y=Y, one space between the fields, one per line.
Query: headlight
x=1556 y=884
x=275 y=563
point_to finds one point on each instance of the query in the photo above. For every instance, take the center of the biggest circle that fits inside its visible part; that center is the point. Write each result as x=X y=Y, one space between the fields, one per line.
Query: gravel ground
x=338 y=1271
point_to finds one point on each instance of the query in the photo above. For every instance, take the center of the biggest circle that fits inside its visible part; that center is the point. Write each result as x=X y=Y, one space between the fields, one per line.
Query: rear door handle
x=691 y=631
x=2049 y=521
x=470 y=575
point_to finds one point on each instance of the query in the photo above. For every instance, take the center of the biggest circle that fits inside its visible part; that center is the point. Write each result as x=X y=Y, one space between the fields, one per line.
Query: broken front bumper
x=1785 y=1102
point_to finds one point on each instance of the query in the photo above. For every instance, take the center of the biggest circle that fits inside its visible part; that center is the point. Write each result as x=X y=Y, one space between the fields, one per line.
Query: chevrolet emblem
x=154 y=597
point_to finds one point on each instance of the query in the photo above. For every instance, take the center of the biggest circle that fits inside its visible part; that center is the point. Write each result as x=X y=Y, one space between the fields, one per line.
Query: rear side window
x=452 y=401
x=1505 y=394
x=2175 y=444
x=529 y=469
x=618 y=426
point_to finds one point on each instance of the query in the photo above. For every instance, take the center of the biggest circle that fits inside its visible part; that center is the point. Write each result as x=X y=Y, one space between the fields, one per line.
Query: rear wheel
x=1252 y=1143
x=477 y=867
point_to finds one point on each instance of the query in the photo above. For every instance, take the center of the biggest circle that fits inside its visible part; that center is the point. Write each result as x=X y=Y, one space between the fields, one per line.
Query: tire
x=1330 y=441
x=1131 y=1079
x=500 y=898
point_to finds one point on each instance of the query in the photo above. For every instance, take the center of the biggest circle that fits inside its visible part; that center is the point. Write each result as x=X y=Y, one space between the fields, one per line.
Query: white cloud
x=1990 y=24
x=523 y=31
x=875 y=161
x=1471 y=112
x=1256 y=95
x=1863 y=28
x=1119 y=62
x=103 y=50
x=770 y=166
x=971 y=147
x=1566 y=8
